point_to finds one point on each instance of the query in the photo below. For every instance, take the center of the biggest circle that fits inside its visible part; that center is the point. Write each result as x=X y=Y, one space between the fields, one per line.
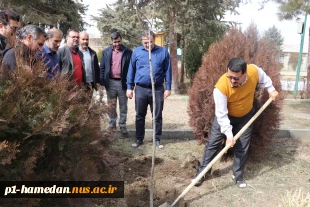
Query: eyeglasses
x=235 y=78
x=13 y=28
x=74 y=37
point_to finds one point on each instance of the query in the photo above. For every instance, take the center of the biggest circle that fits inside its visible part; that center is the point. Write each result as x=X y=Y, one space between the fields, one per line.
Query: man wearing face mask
x=71 y=58
x=90 y=61
x=113 y=72
x=30 y=41
x=49 y=52
x=233 y=97
x=139 y=79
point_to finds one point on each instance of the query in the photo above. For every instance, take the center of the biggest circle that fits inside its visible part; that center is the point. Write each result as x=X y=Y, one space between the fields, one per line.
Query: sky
x=250 y=12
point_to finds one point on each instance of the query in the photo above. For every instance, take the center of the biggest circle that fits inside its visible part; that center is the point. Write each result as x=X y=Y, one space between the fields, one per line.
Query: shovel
x=194 y=181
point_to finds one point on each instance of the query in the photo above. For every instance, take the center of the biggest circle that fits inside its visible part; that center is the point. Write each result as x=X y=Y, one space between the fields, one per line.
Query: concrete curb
x=188 y=134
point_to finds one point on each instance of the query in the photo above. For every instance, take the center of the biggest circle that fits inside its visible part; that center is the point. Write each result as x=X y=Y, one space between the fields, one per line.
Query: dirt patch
x=296 y=115
x=285 y=168
x=271 y=176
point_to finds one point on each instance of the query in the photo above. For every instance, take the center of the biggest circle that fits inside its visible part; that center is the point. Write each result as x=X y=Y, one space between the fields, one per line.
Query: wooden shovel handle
x=223 y=151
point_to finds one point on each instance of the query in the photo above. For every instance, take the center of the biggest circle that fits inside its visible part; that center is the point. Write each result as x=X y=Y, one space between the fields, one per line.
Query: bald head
x=84 y=40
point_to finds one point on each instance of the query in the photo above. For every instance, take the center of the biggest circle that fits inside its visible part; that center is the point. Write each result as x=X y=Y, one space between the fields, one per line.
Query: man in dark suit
x=113 y=72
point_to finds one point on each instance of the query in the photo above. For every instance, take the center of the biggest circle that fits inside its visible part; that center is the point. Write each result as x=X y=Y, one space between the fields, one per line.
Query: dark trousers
x=241 y=146
x=143 y=98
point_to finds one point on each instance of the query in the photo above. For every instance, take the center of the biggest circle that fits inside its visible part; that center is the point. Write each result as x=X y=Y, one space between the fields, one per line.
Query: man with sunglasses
x=9 y=23
x=233 y=97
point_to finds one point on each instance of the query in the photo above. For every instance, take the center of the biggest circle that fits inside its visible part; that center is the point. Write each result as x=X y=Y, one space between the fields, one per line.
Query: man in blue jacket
x=138 y=79
x=113 y=72
x=49 y=52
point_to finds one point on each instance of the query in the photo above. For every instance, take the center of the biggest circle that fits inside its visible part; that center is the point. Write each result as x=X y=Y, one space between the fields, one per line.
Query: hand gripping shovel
x=218 y=156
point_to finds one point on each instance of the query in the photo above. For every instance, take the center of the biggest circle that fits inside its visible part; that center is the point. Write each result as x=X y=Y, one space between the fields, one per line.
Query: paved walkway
x=176 y=123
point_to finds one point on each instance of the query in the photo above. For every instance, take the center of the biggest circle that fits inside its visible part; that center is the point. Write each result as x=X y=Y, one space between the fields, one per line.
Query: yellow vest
x=239 y=99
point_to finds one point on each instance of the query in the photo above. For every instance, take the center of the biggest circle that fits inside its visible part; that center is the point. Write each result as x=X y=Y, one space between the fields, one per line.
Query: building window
x=282 y=58
x=98 y=44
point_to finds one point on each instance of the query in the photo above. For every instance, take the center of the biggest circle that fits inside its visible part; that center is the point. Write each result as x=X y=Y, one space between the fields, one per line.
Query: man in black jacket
x=31 y=39
x=113 y=72
x=9 y=23
x=92 y=70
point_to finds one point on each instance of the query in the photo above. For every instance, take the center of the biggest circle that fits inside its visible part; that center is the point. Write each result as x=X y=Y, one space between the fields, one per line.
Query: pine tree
x=274 y=34
x=63 y=14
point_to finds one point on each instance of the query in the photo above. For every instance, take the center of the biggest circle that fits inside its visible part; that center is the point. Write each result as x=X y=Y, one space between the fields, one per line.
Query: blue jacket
x=105 y=65
x=50 y=60
x=139 y=68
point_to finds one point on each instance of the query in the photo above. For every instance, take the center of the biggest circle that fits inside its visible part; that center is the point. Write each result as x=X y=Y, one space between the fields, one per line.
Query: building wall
x=288 y=72
x=96 y=44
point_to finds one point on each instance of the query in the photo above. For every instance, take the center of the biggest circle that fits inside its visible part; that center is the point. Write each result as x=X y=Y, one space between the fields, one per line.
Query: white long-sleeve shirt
x=220 y=100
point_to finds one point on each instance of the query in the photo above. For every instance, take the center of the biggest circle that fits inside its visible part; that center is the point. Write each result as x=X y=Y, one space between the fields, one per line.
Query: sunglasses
x=235 y=78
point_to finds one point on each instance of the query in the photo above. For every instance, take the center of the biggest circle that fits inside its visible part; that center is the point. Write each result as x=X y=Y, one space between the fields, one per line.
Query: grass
x=297 y=198
x=269 y=176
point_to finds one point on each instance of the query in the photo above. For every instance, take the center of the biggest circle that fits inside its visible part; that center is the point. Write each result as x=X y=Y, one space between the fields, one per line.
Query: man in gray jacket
x=113 y=72
x=71 y=58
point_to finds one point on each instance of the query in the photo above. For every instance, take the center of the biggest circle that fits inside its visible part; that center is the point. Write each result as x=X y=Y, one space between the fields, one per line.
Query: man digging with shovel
x=233 y=97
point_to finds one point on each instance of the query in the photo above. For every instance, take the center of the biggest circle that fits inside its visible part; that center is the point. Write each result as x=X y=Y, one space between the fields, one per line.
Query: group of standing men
x=121 y=71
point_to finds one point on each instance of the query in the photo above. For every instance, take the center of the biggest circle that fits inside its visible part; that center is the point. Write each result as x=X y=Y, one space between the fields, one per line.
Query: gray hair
x=50 y=33
x=83 y=32
x=34 y=30
x=146 y=33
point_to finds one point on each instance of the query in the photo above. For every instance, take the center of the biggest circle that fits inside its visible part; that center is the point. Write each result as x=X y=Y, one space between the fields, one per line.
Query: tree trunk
x=182 y=61
x=308 y=71
x=173 y=52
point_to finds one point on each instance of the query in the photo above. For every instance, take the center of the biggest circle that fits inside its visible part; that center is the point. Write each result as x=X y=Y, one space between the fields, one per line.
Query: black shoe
x=203 y=178
x=199 y=182
x=159 y=145
x=137 y=143
x=124 y=130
